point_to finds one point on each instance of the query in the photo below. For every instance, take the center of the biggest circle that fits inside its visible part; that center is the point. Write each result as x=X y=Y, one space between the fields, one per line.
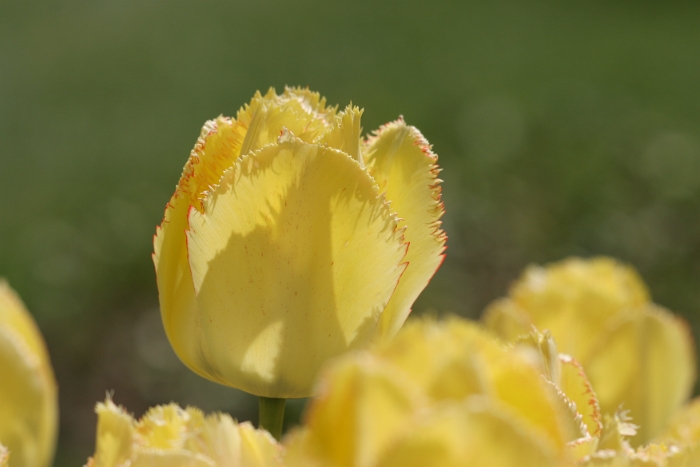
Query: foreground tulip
x=28 y=394
x=636 y=354
x=442 y=394
x=169 y=436
x=287 y=241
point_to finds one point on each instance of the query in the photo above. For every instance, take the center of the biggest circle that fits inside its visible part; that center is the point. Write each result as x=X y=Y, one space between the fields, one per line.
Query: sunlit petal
x=400 y=160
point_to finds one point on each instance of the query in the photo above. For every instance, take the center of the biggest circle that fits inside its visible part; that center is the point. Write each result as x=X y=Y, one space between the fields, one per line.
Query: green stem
x=272 y=415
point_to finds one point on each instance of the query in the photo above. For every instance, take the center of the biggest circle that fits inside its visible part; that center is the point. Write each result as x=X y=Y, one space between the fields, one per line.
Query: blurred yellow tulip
x=636 y=354
x=438 y=394
x=287 y=241
x=168 y=436
x=28 y=393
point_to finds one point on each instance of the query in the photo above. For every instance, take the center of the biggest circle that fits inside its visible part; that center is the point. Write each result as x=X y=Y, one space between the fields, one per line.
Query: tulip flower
x=290 y=240
x=441 y=394
x=28 y=394
x=174 y=437
x=636 y=354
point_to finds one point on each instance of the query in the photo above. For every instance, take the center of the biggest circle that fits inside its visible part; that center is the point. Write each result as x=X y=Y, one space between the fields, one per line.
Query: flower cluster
x=452 y=393
x=287 y=262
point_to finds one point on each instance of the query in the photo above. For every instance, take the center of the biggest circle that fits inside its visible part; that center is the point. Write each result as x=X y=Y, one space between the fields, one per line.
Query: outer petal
x=216 y=150
x=115 y=432
x=172 y=458
x=399 y=158
x=28 y=394
x=647 y=363
x=575 y=384
x=475 y=432
x=293 y=262
x=573 y=299
x=362 y=408
x=4 y=455
x=220 y=144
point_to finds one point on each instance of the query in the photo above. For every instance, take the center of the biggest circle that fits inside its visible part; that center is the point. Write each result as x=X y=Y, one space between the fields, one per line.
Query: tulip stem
x=272 y=415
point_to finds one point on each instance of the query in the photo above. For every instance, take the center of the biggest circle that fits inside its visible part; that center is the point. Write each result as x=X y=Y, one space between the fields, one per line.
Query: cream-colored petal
x=363 y=406
x=345 y=133
x=115 y=433
x=475 y=432
x=216 y=150
x=572 y=298
x=28 y=393
x=400 y=160
x=646 y=363
x=518 y=385
x=4 y=456
x=576 y=386
x=170 y=458
x=293 y=262
x=456 y=359
x=300 y=111
x=684 y=427
x=258 y=448
x=168 y=427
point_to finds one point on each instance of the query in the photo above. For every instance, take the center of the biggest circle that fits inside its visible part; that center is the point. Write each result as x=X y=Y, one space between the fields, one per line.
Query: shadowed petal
x=293 y=262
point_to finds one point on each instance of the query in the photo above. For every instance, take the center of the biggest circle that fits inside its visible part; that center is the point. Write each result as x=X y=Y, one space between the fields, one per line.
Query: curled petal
x=647 y=363
x=400 y=160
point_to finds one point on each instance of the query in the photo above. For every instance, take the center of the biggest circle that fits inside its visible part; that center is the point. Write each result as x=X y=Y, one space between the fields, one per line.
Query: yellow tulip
x=28 y=393
x=438 y=394
x=168 y=436
x=636 y=354
x=290 y=240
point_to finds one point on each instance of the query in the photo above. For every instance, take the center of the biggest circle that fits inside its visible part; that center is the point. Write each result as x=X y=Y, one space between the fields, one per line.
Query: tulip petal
x=645 y=362
x=115 y=432
x=571 y=298
x=577 y=388
x=476 y=432
x=172 y=458
x=293 y=262
x=299 y=111
x=400 y=160
x=28 y=393
x=345 y=134
x=362 y=407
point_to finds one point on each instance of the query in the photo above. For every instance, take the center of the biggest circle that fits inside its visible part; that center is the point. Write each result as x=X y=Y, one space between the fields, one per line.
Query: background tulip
x=637 y=355
x=290 y=240
x=438 y=394
x=28 y=394
x=174 y=437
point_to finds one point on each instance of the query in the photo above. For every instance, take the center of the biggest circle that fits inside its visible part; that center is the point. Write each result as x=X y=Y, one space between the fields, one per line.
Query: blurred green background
x=564 y=128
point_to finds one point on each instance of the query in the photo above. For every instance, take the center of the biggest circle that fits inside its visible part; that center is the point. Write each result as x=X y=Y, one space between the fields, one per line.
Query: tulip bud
x=287 y=241
x=28 y=394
